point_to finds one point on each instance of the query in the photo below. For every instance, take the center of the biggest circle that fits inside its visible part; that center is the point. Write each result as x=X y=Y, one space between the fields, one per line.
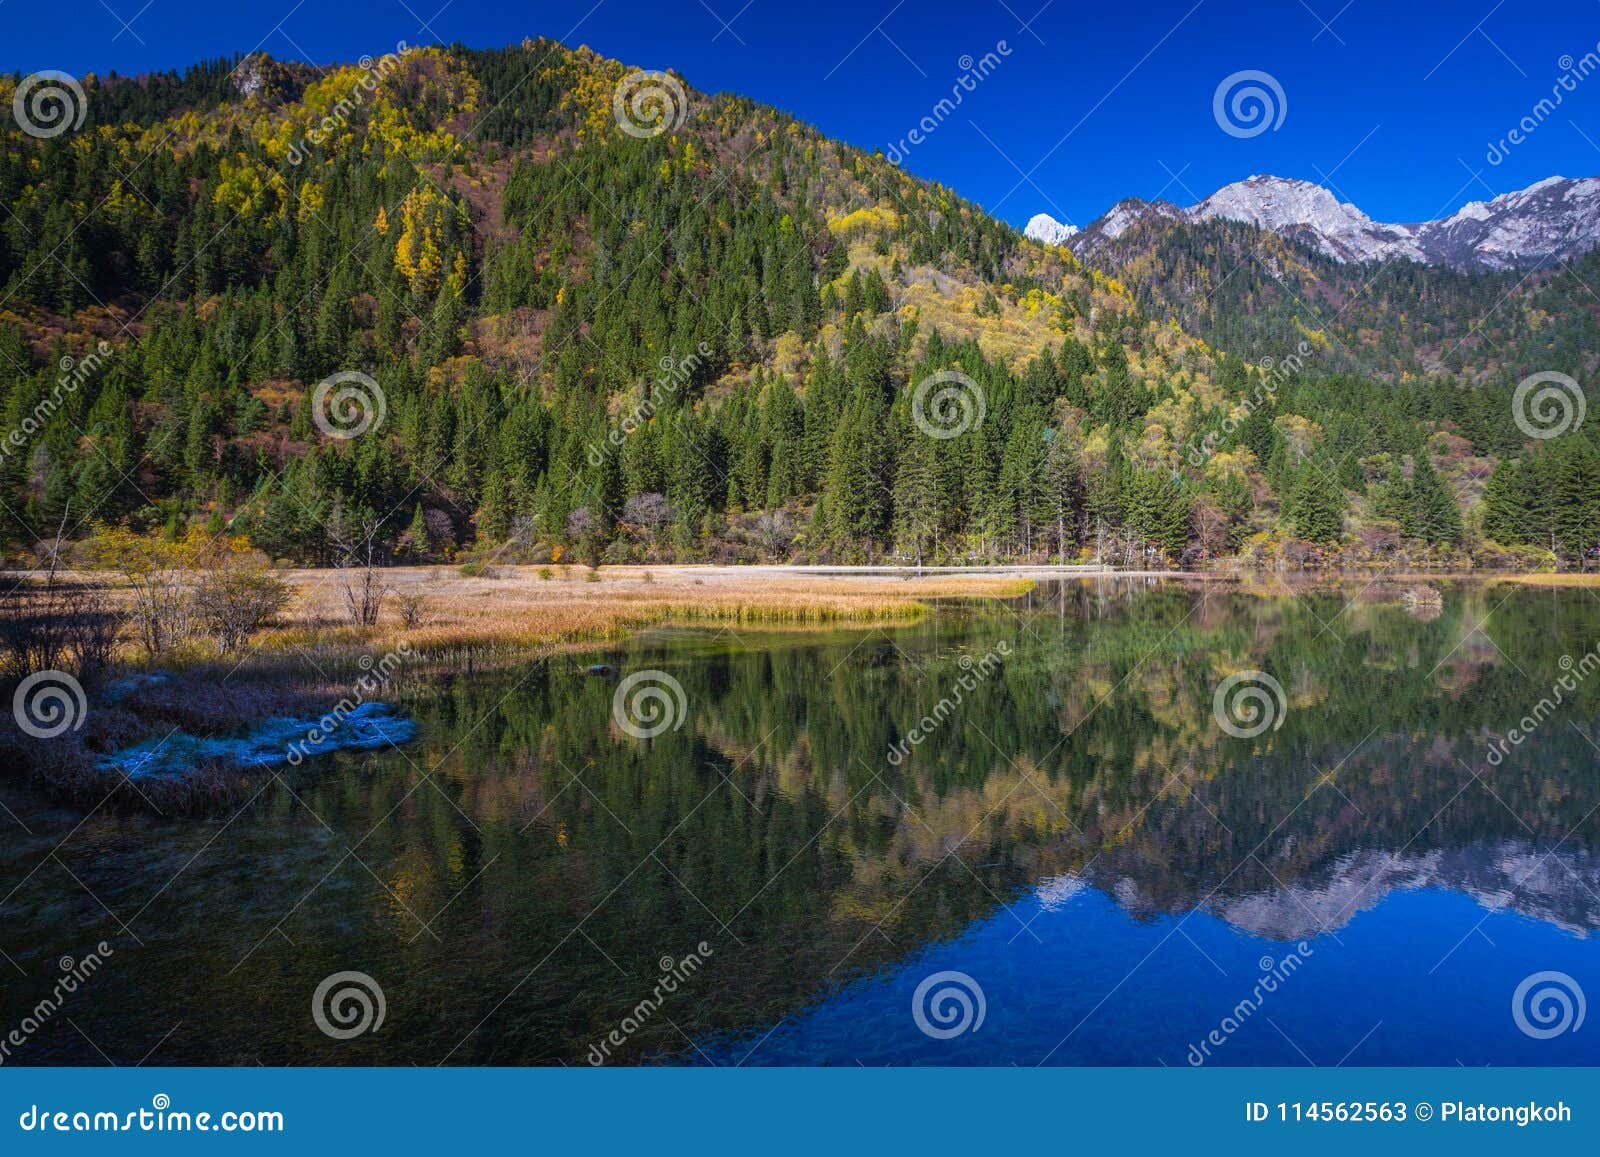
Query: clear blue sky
x=1393 y=105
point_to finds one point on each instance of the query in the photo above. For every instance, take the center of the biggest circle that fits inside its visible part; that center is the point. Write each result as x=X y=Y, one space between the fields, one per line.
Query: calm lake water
x=1077 y=848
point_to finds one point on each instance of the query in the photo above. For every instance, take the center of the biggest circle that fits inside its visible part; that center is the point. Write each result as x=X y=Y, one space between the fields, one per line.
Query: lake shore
x=437 y=623
x=192 y=730
x=528 y=607
x=507 y=611
x=519 y=608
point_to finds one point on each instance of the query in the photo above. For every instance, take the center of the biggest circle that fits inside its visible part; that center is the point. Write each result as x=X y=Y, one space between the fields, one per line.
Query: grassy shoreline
x=1551 y=580
x=437 y=624
x=313 y=665
x=562 y=607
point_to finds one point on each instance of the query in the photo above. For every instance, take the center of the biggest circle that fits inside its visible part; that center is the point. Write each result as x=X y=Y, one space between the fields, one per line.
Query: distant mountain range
x=1495 y=291
x=1553 y=220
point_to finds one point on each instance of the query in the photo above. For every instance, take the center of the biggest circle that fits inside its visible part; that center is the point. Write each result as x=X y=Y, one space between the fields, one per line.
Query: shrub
x=413 y=610
x=57 y=628
x=233 y=602
x=158 y=573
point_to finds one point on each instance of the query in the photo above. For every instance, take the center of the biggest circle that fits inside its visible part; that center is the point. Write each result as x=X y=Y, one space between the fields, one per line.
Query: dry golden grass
x=517 y=607
x=1550 y=580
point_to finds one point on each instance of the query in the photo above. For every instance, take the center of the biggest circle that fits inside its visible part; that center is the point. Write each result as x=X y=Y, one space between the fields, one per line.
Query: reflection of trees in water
x=1094 y=751
x=1297 y=803
x=773 y=825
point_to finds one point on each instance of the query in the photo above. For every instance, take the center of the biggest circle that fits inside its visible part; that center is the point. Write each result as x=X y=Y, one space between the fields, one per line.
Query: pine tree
x=494 y=515
x=1577 y=498
x=1318 y=506
x=1107 y=487
x=1062 y=488
x=421 y=548
x=916 y=496
x=1434 y=517
x=1503 y=513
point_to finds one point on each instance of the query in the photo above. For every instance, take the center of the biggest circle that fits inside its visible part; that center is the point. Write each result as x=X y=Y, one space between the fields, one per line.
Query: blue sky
x=1392 y=105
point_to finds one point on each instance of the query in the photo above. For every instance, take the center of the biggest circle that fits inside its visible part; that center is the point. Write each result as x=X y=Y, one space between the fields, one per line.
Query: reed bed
x=1550 y=580
x=519 y=608
x=436 y=625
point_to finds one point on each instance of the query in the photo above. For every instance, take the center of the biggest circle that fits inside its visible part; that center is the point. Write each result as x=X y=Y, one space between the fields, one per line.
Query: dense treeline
x=714 y=342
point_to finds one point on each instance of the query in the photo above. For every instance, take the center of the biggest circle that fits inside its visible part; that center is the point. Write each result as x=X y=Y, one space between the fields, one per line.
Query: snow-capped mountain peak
x=1300 y=208
x=1553 y=219
x=1045 y=228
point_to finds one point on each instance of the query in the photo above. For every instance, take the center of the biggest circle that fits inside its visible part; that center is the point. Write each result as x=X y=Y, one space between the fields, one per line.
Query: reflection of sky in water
x=515 y=904
x=1069 y=978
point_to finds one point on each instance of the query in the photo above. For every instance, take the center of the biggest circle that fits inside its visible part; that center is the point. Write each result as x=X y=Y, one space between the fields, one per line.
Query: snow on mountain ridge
x=1343 y=231
x=1045 y=228
x=1554 y=218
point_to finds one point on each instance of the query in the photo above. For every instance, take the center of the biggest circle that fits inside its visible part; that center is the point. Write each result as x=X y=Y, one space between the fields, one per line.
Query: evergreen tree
x=417 y=535
x=1318 y=506
x=916 y=494
x=1433 y=514
x=1062 y=486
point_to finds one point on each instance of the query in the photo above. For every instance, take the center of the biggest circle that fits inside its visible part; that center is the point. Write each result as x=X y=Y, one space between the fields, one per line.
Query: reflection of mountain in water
x=1559 y=887
x=773 y=825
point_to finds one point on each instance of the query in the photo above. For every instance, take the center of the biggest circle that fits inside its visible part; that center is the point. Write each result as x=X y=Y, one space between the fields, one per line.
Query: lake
x=1015 y=832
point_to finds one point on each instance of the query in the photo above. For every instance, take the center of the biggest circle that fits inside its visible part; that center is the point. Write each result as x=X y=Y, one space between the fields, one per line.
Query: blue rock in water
x=365 y=727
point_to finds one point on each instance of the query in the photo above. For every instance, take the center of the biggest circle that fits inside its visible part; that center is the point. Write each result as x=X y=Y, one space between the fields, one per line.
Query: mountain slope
x=1257 y=294
x=573 y=285
x=529 y=303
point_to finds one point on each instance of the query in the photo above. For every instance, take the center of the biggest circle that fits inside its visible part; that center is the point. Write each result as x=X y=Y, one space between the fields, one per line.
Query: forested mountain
x=458 y=304
x=1255 y=293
